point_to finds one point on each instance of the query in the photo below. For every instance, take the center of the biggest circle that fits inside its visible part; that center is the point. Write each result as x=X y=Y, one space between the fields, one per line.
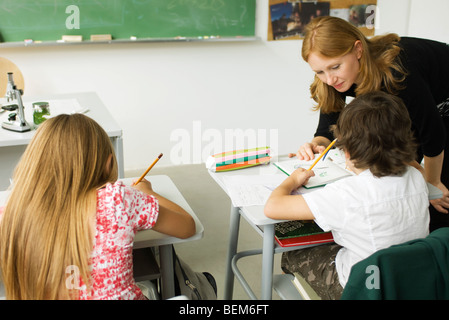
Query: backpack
x=193 y=285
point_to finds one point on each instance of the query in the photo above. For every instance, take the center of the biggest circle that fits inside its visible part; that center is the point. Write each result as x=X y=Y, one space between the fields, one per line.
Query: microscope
x=16 y=121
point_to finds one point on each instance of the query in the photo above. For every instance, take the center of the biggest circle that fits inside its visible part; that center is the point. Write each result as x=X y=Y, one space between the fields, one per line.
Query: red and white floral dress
x=121 y=212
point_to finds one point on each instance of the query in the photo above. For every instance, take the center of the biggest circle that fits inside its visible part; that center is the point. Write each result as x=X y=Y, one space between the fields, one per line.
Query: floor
x=212 y=206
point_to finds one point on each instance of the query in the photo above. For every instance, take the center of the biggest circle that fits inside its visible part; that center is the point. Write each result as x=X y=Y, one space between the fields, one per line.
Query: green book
x=300 y=232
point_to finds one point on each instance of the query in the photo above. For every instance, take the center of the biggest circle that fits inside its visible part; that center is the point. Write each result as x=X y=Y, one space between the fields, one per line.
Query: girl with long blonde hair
x=67 y=212
x=348 y=64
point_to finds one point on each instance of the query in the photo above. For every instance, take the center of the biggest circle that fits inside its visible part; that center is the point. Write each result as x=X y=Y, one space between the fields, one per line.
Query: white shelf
x=124 y=41
x=282 y=284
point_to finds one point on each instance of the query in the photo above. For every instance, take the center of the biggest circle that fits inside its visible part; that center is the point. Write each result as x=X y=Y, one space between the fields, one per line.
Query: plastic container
x=41 y=112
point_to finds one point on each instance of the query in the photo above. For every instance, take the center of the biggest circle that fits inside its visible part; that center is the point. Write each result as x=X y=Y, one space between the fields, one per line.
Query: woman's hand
x=432 y=173
x=307 y=151
x=442 y=203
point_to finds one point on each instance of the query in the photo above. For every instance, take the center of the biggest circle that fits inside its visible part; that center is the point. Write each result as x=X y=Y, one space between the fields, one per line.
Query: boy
x=385 y=203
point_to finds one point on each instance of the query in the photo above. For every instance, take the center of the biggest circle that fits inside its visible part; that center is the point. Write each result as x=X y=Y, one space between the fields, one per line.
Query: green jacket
x=417 y=269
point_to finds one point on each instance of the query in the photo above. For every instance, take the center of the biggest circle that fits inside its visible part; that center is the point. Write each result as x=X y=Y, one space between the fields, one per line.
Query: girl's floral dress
x=121 y=212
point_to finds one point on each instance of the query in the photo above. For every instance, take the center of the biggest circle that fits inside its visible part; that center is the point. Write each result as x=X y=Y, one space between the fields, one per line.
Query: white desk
x=255 y=216
x=164 y=186
x=13 y=144
x=149 y=238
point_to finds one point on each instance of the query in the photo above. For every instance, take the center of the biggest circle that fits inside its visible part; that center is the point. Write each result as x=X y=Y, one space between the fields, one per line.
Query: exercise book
x=326 y=171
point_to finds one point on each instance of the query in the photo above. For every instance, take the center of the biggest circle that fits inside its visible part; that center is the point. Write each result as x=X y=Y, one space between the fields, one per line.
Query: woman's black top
x=425 y=93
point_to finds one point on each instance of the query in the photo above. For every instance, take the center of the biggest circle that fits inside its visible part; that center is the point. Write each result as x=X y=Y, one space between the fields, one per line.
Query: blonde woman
x=346 y=63
x=68 y=227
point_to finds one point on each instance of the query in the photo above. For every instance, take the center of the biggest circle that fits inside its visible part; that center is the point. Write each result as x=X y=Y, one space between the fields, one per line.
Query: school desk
x=264 y=226
x=13 y=144
x=164 y=186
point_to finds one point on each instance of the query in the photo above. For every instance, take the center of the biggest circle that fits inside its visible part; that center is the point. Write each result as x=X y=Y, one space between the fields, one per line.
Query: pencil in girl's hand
x=149 y=168
x=324 y=153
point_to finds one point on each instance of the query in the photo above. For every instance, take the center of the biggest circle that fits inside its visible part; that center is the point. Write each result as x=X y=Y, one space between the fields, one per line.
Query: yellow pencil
x=149 y=168
x=324 y=152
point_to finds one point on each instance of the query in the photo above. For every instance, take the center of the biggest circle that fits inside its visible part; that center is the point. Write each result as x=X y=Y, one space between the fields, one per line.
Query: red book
x=300 y=233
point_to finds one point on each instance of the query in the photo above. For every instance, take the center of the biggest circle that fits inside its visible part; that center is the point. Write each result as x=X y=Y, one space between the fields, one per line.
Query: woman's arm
x=172 y=220
x=282 y=205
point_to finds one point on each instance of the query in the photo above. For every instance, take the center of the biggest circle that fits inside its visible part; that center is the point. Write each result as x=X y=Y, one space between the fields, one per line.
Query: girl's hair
x=334 y=37
x=375 y=129
x=46 y=228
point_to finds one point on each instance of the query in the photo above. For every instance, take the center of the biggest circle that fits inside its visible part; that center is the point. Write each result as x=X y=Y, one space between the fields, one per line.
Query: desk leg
x=267 y=262
x=167 y=272
x=117 y=142
x=234 y=226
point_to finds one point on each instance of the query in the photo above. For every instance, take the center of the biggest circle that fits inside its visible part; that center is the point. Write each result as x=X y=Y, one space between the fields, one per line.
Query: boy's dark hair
x=375 y=128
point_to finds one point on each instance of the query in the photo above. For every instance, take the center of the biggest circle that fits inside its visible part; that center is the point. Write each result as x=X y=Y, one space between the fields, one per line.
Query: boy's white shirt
x=366 y=214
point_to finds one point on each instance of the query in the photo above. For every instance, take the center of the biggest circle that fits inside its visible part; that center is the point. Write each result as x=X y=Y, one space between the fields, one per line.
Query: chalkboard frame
x=160 y=21
x=18 y=44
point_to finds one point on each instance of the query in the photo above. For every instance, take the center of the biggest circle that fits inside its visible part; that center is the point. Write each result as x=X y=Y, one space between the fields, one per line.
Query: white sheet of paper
x=248 y=190
x=57 y=107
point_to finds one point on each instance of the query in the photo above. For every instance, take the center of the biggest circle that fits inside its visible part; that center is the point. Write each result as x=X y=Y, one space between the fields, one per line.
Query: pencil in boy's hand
x=324 y=152
x=149 y=168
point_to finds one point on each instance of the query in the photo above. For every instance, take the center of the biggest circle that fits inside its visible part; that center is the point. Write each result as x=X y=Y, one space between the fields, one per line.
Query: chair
x=8 y=66
x=305 y=290
x=2 y=291
x=417 y=269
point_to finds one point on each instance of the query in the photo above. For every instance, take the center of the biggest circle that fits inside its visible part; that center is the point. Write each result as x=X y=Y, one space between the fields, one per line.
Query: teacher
x=347 y=64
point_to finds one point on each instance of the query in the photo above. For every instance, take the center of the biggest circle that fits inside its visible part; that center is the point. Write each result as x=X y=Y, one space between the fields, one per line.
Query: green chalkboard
x=49 y=20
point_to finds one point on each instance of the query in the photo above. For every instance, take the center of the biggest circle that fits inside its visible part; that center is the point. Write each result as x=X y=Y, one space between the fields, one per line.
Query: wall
x=185 y=99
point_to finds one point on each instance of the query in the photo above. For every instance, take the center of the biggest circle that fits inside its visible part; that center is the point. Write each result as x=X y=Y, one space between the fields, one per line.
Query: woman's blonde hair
x=335 y=37
x=46 y=225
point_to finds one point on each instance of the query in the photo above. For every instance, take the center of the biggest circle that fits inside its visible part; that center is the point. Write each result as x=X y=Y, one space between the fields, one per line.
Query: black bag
x=193 y=285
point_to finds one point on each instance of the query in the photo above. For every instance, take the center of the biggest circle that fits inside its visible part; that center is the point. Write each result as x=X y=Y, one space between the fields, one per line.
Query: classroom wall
x=188 y=100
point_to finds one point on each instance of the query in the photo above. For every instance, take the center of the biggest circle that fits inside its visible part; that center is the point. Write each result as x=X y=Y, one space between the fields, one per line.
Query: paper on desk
x=247 y=190
x=68 y=106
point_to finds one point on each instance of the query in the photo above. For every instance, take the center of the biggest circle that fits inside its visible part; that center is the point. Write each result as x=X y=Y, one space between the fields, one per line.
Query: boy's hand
x=301 y=176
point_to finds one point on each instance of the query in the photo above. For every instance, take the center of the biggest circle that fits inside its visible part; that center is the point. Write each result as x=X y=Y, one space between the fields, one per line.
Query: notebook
x=326 y=171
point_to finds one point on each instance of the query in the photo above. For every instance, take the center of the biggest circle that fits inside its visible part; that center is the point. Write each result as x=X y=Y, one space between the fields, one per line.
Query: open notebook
x=326 y=171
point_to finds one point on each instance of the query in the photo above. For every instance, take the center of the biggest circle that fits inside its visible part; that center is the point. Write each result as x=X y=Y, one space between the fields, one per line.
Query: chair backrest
x=8 y=66
x=2 y=291
x=417 y=269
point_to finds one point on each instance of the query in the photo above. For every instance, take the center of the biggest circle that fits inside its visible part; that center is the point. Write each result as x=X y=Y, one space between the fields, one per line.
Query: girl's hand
x=307 y=151
x=144 y=185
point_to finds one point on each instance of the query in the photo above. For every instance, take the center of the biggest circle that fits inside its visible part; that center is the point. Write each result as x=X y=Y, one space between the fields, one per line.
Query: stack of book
x=300 y=233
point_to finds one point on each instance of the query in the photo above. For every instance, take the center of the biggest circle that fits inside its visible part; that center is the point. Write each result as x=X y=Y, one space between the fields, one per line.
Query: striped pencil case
x=238 y=159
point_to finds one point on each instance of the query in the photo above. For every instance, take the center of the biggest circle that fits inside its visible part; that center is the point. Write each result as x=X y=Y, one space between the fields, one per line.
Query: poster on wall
x=287 y=18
